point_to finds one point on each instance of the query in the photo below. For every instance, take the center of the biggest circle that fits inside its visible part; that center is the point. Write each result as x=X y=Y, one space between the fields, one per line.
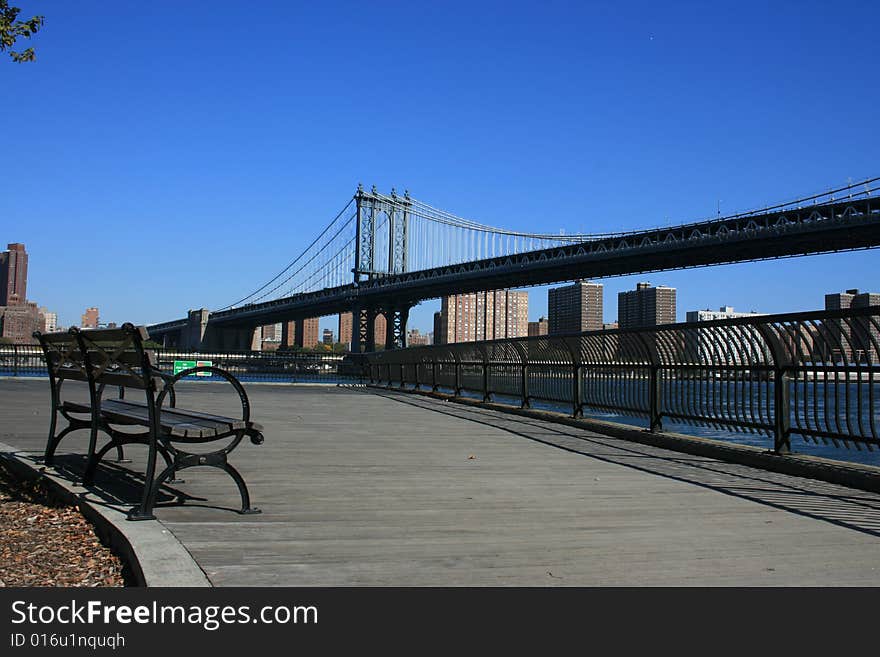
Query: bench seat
x=177 y=423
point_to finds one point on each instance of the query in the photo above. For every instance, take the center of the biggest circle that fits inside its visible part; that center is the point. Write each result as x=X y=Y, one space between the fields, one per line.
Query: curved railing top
x=848 y=338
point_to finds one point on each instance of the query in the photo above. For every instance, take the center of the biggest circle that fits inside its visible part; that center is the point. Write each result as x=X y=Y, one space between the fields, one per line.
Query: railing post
x=655 y=418
x=15 y=360
x=486 y=395
x=781 y=405
x=782 y=412
x=577 y=408
x=434 y=375
x=524 y=374
x=457 y=377
x=402 y=374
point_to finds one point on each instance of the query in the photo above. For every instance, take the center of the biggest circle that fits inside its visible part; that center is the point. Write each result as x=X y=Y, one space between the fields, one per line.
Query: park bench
x=116 y=359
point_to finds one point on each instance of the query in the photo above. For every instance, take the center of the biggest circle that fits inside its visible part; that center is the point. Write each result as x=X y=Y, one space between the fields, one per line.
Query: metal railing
x=247 y=366
x=814 y=374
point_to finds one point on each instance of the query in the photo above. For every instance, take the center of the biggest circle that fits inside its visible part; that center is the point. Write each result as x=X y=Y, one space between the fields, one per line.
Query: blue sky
x=205 y=143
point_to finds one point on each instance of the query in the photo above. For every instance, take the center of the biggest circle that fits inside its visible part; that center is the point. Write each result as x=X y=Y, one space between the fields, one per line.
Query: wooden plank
x=232 y=422
x=120 y=379
x=393 y=499
x=75 y=407
x=70 y=373
x=177 y=423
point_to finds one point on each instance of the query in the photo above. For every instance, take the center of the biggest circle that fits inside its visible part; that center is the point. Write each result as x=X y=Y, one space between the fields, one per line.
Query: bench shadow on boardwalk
x=838 y=505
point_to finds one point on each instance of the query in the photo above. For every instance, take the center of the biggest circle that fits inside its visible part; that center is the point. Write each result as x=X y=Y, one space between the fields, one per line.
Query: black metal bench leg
x=93 y=443
x=145 y=510
x=246 y=507
x=52 y=445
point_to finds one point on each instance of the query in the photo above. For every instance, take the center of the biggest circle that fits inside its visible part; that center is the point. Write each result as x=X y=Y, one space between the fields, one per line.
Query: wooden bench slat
x=177 y=422
x=75 y=407
x=236 y=423
x=71 y=373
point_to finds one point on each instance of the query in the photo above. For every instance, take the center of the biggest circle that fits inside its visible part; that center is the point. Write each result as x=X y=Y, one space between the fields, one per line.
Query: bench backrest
x=116 y=357
x=109 y=357
x=64 y=357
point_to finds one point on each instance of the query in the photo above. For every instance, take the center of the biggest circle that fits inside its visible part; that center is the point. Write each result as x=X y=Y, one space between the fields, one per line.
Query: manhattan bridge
x=384 y=253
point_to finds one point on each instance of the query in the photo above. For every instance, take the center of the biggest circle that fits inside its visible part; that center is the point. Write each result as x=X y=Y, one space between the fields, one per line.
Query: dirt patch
x=44 y=542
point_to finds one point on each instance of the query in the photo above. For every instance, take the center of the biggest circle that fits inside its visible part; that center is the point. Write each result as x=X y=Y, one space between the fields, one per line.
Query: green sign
x=180 y=365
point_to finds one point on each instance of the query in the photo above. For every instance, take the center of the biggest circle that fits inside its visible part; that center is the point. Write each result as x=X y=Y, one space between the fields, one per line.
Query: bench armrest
x=255 y=436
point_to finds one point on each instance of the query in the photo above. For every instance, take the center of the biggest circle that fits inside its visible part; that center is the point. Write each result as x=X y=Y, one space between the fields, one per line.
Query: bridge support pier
x=231 y=339
x=193 y=335
x=395 y=327
x=363 y=329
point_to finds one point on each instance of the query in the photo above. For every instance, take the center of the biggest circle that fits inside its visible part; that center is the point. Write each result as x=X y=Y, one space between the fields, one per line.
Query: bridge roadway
x=362 y=487
x=838 y=226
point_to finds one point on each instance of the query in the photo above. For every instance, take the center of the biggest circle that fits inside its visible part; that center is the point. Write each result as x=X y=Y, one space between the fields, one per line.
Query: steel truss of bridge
x=800 y=228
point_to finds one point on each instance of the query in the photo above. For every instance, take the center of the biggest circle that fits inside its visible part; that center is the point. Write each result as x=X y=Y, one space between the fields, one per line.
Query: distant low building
x=48 y=321
x=90 y=319
x=541 y=327
x=726 y=345
x=18 y=322
x=414 y=338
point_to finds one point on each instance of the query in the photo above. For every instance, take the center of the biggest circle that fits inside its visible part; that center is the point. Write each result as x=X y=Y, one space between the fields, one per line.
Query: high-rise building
x=488 y=315
x=380 y=326
x=48 y=320
x=302 y=333
x=646 y=306
x=541 y=327
x=306 y=333
x=575 y=308
x=855 y=340
x=13 y=275
x=327 y=336
x=90 y=319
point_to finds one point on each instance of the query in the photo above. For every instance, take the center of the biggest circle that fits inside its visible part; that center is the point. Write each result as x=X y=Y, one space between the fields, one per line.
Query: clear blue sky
x=204 y=143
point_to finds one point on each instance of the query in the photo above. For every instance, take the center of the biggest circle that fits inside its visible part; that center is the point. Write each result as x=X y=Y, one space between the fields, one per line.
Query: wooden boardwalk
x=362 y=487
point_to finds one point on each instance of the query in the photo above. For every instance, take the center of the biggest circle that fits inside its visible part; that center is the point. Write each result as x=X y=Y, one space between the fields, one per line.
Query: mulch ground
x=47 y=543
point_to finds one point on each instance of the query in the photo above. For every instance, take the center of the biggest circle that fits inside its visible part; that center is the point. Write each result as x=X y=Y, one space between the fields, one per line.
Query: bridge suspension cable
x=405 y=234
x=253 y=296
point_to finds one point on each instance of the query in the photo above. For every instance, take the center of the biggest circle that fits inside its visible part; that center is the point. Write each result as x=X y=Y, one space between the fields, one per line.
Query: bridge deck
x=367 y=488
